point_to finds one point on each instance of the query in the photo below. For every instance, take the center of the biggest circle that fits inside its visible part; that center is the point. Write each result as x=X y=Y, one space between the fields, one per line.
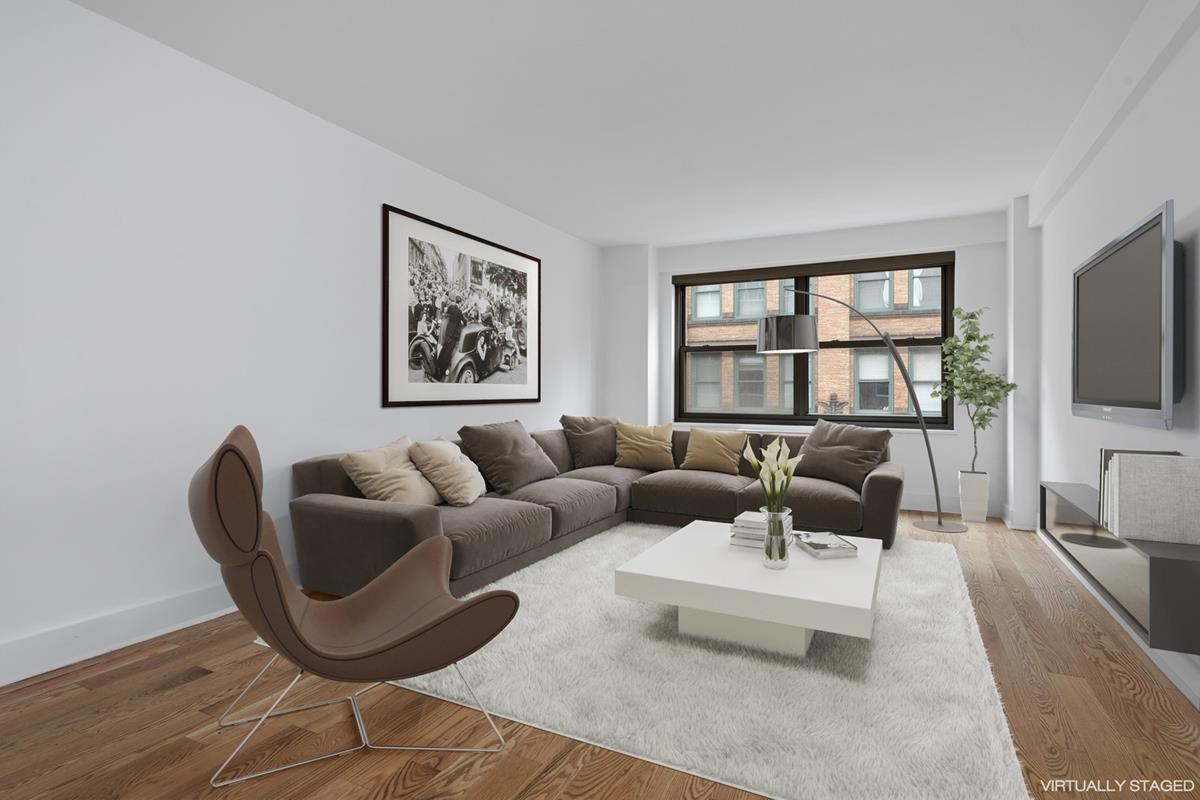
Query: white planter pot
x=973 y=496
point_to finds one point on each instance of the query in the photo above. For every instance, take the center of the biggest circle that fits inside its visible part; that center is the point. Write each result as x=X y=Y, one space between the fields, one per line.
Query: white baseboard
x=1017 y=524
x=915 y=501
x=39 y=652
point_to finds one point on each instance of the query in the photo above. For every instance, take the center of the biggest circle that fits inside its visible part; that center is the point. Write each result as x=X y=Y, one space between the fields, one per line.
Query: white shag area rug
x=911 y=713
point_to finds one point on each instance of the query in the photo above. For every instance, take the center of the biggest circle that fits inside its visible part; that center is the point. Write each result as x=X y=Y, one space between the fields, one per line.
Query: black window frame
x=802 y=273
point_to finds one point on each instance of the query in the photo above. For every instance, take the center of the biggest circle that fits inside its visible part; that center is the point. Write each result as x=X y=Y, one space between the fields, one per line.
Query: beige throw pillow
x=715 y=451
x=644 y=446
x=387 y=473
x=455 y=476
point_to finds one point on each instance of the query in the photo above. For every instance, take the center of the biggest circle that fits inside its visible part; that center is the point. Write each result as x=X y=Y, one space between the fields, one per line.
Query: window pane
x=873 y=396
x=706 y=302
x=787 y=298
x=925 y=369
x=926 y=289
x=751 y=377
x=874 y=366
x=705 y=381
x=733 y=382
x=925 y=363
x=873 y=291
x=750 y=299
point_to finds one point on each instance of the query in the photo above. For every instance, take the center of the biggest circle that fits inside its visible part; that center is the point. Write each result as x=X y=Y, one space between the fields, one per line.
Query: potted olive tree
x=978 y=391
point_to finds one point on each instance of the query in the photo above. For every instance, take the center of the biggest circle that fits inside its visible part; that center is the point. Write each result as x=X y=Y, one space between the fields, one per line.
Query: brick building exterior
x=843 y=380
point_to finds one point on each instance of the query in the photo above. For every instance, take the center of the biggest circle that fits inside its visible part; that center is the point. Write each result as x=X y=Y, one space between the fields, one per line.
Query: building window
x=787 y=382
x=925 y=369
x=787 y=297
x=750 y=299
x=925 y=290
x=751 y=382
x=721 y=378
x=706 y=381
x=873 y=291
x=706 y=302
x=872 y=382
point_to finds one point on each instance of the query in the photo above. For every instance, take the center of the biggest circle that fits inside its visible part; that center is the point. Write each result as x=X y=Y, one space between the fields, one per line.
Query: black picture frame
x=478 y=392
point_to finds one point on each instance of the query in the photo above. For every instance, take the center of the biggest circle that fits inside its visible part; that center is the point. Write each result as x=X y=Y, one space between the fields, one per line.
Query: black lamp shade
x=794 y=333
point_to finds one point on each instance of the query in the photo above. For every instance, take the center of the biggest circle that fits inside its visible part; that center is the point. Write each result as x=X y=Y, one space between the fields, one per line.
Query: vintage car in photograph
x=480 y=351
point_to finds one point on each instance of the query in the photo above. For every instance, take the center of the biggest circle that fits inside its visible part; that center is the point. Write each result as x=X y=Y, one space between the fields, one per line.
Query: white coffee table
x=725 y=593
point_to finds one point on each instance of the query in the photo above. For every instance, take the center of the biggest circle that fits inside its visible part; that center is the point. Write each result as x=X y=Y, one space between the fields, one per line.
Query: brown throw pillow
x=715 y=451
x=387 y=473
x=843 y=454
x=455 y=476
x=592 y=440
x=506 y=454
x=644 y=446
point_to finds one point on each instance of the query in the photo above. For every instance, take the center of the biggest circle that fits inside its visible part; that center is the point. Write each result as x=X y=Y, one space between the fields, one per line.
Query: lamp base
x=943 y=527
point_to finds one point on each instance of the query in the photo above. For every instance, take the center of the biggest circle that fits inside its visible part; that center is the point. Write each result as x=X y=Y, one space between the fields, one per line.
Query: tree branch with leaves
x=964 y=378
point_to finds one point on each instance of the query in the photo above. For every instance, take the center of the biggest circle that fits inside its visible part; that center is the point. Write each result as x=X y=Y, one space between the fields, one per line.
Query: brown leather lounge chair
x=404 y=623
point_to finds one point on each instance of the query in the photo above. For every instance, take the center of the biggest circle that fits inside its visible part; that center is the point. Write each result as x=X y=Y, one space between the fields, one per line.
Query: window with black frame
x=720 y=377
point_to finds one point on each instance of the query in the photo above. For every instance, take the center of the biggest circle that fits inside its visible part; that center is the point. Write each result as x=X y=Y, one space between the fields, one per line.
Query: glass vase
x=778 y=539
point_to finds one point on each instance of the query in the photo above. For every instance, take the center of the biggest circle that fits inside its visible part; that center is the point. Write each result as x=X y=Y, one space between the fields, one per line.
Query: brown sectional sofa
x=344 y=540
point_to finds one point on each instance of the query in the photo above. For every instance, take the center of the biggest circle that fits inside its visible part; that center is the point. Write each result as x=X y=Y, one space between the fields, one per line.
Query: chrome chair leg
x=224 y=722
x=363 y=737
x=372 y=746
x=216 y=784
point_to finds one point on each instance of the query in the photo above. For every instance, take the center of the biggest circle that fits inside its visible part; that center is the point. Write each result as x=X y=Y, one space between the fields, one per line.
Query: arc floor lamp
x=797 y=333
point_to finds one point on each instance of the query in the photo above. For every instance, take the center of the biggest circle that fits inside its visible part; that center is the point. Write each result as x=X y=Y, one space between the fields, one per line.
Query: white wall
x=182 y=252
x=979 y=244
x=1023 y=270
x=629 y=302
x=1151 y=157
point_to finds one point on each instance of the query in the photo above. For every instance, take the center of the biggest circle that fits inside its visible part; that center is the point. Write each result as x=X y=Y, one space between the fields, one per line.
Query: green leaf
x=965 y=378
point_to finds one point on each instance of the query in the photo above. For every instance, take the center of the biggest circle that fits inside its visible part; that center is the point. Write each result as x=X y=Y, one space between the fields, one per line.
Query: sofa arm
x=343 y=543
x=881 y=494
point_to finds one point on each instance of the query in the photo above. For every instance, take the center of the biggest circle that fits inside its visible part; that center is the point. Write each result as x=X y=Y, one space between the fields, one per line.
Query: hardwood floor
x=1083 y=703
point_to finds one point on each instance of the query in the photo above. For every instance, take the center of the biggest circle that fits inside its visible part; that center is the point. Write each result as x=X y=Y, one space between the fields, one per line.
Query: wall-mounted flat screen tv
x=1128 y=332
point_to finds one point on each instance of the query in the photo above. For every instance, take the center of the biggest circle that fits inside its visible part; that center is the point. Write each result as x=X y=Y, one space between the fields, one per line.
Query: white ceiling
x=676 y=121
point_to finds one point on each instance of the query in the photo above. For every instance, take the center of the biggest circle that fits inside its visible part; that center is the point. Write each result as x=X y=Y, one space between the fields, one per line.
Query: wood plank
x=1081 y=698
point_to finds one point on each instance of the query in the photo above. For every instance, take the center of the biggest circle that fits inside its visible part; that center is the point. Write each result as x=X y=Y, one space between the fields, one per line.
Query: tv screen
x=1118 y=324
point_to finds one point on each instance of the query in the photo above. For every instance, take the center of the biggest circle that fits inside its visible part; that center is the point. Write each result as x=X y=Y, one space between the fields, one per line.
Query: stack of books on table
x=750 y=528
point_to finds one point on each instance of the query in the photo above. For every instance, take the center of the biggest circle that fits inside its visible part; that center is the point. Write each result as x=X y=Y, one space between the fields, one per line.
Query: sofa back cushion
x=387 y=473
x=455 y=476
x=714 y=451
x=844 y=454
x=506 y=455
x=323 y=475
x=554 y=444
x=644 y=447
x=593 y=440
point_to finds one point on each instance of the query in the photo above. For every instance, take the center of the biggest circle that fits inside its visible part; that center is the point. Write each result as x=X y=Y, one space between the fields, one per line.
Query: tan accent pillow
x=387 y=473
x=715 y=451
x=644 y=446
x=455 y=476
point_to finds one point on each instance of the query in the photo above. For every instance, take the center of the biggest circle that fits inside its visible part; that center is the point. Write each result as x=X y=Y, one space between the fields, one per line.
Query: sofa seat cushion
x=694 y=492
x=490 y=530
x=620 y=478
x=816 y=504
x=573 y=503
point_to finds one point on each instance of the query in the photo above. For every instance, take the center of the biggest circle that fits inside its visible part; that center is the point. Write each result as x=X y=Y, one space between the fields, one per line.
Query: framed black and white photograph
x=461 y=316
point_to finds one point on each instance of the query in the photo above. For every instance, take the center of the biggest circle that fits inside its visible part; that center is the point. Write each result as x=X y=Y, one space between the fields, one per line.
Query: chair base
x=364 y=738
